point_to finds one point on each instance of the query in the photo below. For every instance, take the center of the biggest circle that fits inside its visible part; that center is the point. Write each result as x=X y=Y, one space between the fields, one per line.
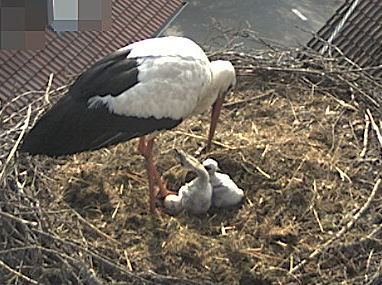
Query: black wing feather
x=109 y=76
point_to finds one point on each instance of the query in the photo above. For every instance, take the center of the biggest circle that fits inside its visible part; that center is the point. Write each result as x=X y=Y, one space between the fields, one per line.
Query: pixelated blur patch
x=81 y=15
x=22 y=24
x=12 y=3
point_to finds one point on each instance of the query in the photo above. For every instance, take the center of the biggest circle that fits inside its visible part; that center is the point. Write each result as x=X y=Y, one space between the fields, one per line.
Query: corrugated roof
x=356 y=29
x=68 y=53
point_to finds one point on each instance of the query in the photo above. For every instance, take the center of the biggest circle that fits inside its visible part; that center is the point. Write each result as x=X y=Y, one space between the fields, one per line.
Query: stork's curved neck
x=202 y=174
x=215 y=83
x=223 y=76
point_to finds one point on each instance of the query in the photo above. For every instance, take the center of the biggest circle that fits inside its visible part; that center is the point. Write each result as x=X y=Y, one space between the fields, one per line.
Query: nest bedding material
x=301 y=141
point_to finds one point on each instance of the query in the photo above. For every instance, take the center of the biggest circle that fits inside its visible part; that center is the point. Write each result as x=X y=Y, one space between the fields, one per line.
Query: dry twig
x=18 y=274
x=365 y=136
x=15 y=146
x=375 y=127
x=49 y=85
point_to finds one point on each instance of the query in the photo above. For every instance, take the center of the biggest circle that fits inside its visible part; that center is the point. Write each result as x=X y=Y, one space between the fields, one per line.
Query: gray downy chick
x=225 y=193
x=195 y=196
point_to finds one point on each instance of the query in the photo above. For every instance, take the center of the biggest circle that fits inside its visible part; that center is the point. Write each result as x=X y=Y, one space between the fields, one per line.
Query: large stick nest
x=300 y=135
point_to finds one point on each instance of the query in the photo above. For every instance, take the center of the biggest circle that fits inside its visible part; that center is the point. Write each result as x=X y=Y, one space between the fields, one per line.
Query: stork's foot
x=163 y=194
x=162 y=191
x=162 y=185
x=160 y=211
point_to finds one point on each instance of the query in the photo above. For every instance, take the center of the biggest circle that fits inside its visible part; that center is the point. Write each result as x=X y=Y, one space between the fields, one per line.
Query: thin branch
x=46 y=96
x=95 y=255
x=235 y=103
x=15 y=146
x=94 y=228
x=17 y=219
x=18 y=274
x=375 y=127
x=365 y=136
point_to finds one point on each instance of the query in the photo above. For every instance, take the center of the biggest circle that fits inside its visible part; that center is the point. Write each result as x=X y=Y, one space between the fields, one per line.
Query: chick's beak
x=214 y=120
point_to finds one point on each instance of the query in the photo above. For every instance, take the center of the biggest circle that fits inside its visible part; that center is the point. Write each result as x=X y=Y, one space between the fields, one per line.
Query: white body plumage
x=174 y=59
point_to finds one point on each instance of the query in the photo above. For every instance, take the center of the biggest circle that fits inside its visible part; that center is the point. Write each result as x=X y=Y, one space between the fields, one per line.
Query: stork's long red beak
x=214 y=120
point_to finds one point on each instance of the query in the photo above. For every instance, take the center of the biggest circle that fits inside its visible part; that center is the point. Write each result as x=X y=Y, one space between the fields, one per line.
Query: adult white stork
x=143 y=88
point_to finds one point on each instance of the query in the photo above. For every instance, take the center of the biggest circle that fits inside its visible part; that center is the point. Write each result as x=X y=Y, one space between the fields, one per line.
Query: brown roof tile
x=68 y=53
x=360 y=38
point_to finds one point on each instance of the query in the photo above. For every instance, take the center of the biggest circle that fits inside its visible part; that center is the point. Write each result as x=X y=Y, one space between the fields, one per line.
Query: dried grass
x=300 y=136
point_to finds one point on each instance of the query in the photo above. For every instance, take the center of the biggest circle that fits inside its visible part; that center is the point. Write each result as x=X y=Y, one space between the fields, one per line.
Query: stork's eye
x=207 y=168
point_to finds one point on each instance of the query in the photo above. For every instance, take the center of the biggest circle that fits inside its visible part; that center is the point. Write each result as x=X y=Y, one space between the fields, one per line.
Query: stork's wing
x=70 y=127
x=109 y=76
x=144 y=87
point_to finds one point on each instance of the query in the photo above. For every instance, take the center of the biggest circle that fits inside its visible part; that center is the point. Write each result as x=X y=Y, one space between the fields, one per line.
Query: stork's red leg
x=145 y=149
x=214 y=120
x=142 y=146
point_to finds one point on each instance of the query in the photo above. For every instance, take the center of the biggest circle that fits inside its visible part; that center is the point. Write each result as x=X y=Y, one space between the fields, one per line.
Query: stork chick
x=225 y=193
x=195 y=196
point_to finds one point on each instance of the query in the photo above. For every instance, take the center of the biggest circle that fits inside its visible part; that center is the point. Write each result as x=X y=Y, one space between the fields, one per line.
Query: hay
x=300 y=135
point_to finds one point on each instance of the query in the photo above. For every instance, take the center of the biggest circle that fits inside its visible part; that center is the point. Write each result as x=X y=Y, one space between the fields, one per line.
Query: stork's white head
x=223 y=78
x=223 y=82
x=211 y=166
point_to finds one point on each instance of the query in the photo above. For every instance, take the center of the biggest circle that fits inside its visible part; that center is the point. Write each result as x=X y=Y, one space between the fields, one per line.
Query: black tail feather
x=71 y=127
